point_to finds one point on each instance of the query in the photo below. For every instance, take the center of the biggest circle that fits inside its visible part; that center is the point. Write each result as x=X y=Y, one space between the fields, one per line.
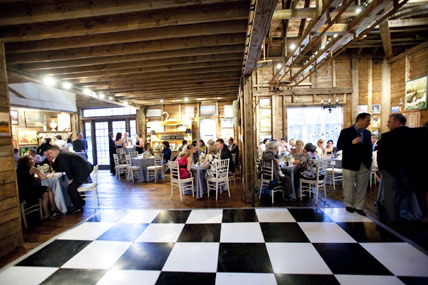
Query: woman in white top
x=320 y=147
x=60 y=143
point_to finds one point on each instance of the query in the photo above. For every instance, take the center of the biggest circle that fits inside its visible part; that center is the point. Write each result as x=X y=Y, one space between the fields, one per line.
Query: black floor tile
x=123 y=232
x=200 y=233
x=186 y=278
x=172 y=216
x=243 y=257
x=55 y=254
x=144 y=256
x=305 y=279
x=350 y=258
x=75 y=277
x=309 y=215
x=108 y=216
x=283 y=232
x=368 y=232
x=414 y=280
x=239 y=216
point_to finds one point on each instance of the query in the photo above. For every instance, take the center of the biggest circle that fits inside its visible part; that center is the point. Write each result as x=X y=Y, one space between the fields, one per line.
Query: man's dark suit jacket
x=355 y=154
x=226 y=154
x=403 y=148
x=235 y=150
x=75 y=166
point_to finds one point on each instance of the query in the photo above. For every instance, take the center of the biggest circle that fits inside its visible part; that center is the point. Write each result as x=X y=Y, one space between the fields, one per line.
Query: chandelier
x=329 y=104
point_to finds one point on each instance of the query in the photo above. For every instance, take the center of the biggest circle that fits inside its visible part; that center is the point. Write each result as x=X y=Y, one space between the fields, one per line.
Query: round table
x=59 y=184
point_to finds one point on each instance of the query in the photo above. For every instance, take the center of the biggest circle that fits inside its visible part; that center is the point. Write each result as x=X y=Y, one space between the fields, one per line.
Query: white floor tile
x=341 y=215
x=365 y=280
x=26 y=275
x=245 y=278
x=213 y=216
x=86 y=231
x=140 y=216
x=193 y=257
x=296 y=258
x=269 y=215
x=400 y=258
x=325 y=232
x=241 y=232
x=161 y=233
x=98 y=255
x=129 y=277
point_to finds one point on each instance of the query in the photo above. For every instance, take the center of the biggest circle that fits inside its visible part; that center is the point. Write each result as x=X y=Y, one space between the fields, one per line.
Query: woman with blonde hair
x=298 y=152
x=184 y=161
x=320 y=147
x=211 y=149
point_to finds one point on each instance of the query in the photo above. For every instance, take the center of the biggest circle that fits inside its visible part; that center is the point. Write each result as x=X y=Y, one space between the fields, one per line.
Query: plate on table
x=54 y=175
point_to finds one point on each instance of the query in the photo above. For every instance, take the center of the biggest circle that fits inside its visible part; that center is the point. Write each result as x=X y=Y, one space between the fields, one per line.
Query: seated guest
x=211 y=147
x=184 y=160
x=225 y=154
x=283 y=147
x=291 y=144
x=77 y=170
x=309 y=166
x=320 y=147
x=127 y=139
x=80 y=145
x=35 y=156
x=119 y=142
x=202 y=146
x=44 y=146
x=330 y=149
x=182 y=147
x=234 y=150
x=262 y=147
x=166 y=152
x=69 y=144
x=196 y=154
x=298 y=152
x=62 y=144
x=269 y=156
x=148 y=151
x=139 y=145
x=16 y=156
x=375 y=140
x=30 y=187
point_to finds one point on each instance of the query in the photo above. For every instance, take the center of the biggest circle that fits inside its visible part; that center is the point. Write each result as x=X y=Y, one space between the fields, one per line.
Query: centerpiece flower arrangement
x=45 y=168
x=287 y=158
x=202 y=157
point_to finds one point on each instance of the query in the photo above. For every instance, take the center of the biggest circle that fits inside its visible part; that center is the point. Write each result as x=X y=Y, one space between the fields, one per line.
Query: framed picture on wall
x=4 y=124
x=25 y=150
x=376 y=109
x=27 y=137
x=207 y=111
x=415 y=97
x=376 y=133
x=35 y=119
x=395 y=109
x=154 y=112
x=376 y=122
x=14 y=117
x=413 y=119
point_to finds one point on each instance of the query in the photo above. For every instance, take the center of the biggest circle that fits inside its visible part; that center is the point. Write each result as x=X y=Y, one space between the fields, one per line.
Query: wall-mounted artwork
x=416 y=94
x=363 y=109
x=27 y=137
x=35 y=119
x=154 y=112
x=14 y=117
x=376 y=109
x=376 y=133
x=207 y=111
x=25 y=150
x=395 y=109
x=376 y=122
x=4 y=124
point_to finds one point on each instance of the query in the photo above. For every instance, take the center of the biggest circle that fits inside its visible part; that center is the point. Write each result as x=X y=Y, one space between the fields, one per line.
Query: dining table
x=58 y=183
x=199 y=173
x=143 y=163
x=290 y=170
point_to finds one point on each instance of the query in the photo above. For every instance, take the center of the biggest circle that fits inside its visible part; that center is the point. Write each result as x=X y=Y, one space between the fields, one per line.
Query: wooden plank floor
x=122 y=194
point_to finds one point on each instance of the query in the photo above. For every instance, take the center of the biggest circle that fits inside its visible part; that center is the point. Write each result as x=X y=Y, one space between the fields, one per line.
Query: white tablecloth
x=59 y=189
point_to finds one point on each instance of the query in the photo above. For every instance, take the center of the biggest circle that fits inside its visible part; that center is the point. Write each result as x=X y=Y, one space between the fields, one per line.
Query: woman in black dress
x=112 y=150
x=30 y=187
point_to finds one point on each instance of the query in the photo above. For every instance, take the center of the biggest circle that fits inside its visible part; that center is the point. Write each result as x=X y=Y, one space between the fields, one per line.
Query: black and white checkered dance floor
x=223 y=246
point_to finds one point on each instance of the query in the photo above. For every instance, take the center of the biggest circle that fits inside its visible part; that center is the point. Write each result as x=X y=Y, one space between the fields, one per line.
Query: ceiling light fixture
x=278 y=65
x=161 y=100
x=358 y=10
x=67 y=85
x=335 y=36
x=49 y=80
x=125 y=103
x=87 y=92
x=101 y=95
x=292 y=46
x=186 y=99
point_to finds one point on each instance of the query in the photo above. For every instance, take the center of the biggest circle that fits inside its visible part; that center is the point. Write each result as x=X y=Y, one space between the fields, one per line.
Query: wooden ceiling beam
x=146 y=75
x=204 y=29
x=386 y=38
x=177 y=94
x=130 y=57
x=408 y=22
x=147 y=20
x=120 y=49
x=146 y=63
x=171 y=68
x=298 y=13
x=129 y=80
x=84 y=9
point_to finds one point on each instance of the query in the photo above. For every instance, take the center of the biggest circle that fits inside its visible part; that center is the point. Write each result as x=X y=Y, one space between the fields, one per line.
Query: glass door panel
x=118 y=127
x=101 y=140
x=88 y=135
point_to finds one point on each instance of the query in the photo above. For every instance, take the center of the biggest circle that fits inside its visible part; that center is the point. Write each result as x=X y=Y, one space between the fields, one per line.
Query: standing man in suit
x=80 y=145
x=356 y=144
x=234 y=150
x=225 y=153
x=77 y=170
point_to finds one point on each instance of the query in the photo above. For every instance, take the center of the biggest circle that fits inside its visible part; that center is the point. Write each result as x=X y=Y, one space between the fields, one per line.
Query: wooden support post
x=284 y=118
x=370 y=87
x=249 y=170
x=333 y=73
x=10 y=221
x=386 y=94
x=141 y=123
x=354 y=95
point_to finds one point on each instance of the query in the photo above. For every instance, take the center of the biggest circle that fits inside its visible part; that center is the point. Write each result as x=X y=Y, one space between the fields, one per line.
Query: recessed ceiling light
x=86 y=91
x=110 y=98
x=186 y=99
x=66 y=85
x=161 y=100
x=278 y=65
x=292 y=46
x=358 y=11
x=101 y=95
x=125 y=103
x=49 y=80
x=335 y=36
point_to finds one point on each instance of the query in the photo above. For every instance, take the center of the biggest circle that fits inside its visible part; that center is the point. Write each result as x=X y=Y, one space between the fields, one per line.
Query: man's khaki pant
x=355 y=187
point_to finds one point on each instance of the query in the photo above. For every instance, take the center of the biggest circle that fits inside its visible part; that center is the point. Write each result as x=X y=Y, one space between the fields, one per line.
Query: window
x=88 y=135
x=107 y=112
x=101 y=138
x=133 y=129
x=208 y=129
x=207 y=111
x=313 y=123
x=119 y=127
